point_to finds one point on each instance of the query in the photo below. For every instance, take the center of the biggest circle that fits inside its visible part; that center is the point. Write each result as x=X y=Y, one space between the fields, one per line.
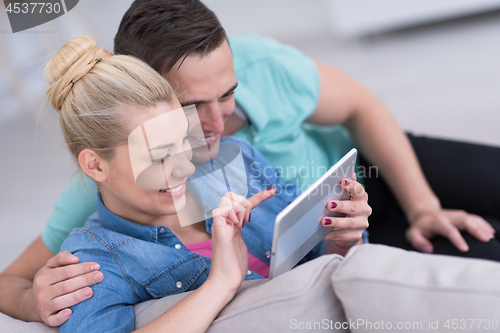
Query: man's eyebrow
x=205 y=101
x=230 y=90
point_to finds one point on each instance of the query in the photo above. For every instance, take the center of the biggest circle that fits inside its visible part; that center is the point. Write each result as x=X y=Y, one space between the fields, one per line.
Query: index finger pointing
x=257 y=199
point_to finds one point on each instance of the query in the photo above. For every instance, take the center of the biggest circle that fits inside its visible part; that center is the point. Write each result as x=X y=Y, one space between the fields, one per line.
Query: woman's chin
x=172 y=204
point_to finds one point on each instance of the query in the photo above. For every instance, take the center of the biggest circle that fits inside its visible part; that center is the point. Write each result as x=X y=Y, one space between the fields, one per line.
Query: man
x=262 y=91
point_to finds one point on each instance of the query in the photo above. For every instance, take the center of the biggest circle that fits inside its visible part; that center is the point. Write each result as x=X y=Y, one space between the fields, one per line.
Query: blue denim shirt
x=141 y=262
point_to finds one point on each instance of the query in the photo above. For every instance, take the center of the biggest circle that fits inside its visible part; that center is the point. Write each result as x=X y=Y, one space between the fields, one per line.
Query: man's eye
x=228 y=95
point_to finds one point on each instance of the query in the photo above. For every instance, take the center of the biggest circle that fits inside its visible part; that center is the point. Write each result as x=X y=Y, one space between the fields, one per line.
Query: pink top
x=254 y=263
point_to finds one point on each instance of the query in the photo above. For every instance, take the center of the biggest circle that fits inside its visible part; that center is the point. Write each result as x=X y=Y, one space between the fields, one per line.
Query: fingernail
x=328 y=221
x=346 y=182
x=464 y=248
x=243 y=225
x=271 y=188
x=333 y=205
x=426 y=249
x=70 y=257
x=98 y=276
x=249 y=217
x=95 y=267
x=86 y=292
x=486 y=236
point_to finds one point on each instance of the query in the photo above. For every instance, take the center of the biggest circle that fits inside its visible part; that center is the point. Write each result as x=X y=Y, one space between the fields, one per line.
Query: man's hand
x=347 y=231
x=446 y=223
x=60 y=284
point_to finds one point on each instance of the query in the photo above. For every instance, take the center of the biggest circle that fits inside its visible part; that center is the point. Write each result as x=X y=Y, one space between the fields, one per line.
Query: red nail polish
x=243 y=225
x=249 y=217
x=271 y=188
x=333 y=205
x=328 y=221
x=346 y=183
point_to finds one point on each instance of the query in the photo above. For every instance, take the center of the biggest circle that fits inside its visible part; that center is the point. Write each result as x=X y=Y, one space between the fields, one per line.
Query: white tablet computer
x=298 y=228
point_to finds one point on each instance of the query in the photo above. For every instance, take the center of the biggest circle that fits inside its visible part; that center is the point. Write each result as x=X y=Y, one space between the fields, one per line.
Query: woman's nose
x=183 y=166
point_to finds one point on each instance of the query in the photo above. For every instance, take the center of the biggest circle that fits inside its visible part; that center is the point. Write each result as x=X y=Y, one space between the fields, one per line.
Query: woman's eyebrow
x=161 y=146
x=168 y=145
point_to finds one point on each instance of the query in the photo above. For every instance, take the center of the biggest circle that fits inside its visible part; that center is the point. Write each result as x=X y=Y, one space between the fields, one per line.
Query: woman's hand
x=347 y=231
x=60 y=284
x=446 y=223
x=229 y=252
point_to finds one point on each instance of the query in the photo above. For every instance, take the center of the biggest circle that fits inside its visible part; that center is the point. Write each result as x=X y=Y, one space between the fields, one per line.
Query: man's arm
x=344 y=101
x=38 y=285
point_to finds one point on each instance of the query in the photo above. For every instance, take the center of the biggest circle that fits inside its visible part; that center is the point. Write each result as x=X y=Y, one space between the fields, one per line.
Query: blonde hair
x=87 y=87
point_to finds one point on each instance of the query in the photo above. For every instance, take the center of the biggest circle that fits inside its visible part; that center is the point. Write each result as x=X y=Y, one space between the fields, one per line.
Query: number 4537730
x=33 y=8
x=471 y=324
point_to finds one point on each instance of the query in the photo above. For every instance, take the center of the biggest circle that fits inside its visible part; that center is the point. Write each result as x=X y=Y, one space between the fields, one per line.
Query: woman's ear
x=93 y=165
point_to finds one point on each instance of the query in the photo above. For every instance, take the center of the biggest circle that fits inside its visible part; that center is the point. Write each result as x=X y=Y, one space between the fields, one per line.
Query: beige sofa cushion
x=425 y=293
x=301 y=296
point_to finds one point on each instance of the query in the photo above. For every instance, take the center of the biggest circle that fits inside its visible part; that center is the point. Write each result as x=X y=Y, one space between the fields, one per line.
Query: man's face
x=209 y=83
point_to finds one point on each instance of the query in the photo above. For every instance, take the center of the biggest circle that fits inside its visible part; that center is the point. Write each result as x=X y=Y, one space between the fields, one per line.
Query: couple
x=271 y=77
x=142 y=237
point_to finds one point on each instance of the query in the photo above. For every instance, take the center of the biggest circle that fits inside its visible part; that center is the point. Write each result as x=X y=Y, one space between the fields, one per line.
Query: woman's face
x=168 y=154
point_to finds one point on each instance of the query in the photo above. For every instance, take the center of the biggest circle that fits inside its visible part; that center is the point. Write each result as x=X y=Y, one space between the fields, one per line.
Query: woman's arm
x=111 y=306
x=195 y=312
x=345 y=101
x=38 y=285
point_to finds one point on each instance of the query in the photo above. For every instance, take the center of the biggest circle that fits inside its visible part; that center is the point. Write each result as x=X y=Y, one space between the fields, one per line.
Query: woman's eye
x=160 y=159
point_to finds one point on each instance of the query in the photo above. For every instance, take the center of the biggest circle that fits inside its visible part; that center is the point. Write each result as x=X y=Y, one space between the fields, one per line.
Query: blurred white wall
x=355 y=18
x=23 y=54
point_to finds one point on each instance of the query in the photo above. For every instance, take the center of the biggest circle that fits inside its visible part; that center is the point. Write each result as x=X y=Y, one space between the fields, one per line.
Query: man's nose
x=212 y=118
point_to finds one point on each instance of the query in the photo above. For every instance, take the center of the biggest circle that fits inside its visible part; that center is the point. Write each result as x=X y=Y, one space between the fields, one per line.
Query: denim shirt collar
x=113 y=222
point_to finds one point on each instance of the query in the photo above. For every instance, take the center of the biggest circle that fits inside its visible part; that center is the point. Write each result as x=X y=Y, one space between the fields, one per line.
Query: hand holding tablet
x=311 y=217
x=346 y=231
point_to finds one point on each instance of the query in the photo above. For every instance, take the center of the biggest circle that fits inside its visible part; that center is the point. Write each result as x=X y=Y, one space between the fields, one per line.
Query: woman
x=135 y=237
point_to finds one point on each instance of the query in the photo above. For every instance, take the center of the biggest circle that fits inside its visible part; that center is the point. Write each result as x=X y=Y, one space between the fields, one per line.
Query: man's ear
x=93 y=165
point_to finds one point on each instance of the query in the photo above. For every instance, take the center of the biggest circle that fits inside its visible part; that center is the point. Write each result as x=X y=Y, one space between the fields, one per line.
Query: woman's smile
x=174 y=192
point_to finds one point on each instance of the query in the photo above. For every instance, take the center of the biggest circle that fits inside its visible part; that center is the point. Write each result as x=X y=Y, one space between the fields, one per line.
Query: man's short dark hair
x=161 y=32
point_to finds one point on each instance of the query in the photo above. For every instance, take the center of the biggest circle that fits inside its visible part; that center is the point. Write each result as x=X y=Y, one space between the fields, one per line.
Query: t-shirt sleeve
x=278 y=89
x=278 y=85
x=75 y=204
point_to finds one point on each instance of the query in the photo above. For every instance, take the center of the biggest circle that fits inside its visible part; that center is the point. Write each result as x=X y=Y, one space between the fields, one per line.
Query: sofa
x=375 y=288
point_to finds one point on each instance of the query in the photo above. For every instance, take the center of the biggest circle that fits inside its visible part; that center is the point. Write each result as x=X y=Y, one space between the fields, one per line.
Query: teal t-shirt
x=278 y=89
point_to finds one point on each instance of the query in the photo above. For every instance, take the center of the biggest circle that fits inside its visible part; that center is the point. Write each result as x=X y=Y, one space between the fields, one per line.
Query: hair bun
x=75 y=59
